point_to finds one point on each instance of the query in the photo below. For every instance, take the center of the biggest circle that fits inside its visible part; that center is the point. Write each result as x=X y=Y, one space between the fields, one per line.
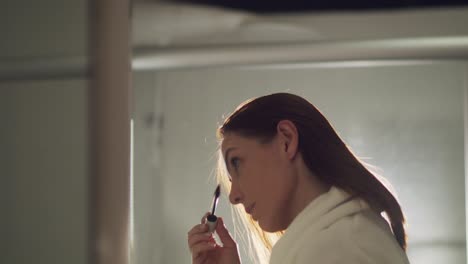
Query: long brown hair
x=323 y=151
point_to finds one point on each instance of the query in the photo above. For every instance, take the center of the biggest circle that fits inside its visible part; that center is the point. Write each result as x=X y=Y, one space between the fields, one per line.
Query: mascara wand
x=212 y=218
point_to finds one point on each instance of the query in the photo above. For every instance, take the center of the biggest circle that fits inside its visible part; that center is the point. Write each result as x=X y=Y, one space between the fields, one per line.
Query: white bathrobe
x=337 y=229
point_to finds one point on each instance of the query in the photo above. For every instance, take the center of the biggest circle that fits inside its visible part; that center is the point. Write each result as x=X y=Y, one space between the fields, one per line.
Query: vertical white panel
x=44 y=172
x=148 y=241
x=465 y=112
x=110 y=132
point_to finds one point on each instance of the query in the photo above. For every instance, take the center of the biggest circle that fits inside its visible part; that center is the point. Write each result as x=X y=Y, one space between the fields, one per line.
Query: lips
x=250 y=208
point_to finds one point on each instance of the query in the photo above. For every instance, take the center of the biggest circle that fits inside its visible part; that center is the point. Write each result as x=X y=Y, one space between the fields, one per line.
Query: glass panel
x=404 y=118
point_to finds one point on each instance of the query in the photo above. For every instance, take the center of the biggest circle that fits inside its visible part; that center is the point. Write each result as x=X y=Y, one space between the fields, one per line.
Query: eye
x=235 y=162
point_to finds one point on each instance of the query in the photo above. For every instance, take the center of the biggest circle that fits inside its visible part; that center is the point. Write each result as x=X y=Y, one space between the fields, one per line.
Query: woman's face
x=262 y=178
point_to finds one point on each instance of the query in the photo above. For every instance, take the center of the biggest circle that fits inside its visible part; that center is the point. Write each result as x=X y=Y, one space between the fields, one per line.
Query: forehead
x=233 y=140
x=236 y=141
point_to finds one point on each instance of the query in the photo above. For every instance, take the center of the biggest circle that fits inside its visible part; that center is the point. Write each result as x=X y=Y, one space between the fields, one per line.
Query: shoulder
x=362 y=238
x=372 y=236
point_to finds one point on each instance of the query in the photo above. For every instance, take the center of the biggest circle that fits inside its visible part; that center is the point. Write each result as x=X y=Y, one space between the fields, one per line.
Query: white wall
x=43 y=135
x=43 y=29
x=408 y=118
x=147 y=195
x=43 y=161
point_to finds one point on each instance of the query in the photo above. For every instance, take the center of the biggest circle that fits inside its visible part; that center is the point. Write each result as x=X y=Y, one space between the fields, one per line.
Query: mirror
x=406 y=117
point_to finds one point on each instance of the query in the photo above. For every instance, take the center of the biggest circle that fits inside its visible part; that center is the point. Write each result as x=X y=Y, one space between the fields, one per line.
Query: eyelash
x=235 y=162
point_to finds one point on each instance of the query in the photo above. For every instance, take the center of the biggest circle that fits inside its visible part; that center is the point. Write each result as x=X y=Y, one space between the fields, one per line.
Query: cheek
x=253 y=181
x=264 y=179
x=276 y=174
x=279 y=184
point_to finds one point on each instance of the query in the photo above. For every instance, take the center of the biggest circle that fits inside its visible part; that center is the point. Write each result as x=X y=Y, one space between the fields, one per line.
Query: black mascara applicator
x=212 y=219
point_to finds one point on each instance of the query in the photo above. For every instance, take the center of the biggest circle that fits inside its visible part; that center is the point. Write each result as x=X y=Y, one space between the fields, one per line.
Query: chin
x=269 y=227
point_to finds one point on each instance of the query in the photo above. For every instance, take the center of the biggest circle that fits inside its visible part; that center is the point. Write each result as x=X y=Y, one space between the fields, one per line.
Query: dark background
x=265 y=6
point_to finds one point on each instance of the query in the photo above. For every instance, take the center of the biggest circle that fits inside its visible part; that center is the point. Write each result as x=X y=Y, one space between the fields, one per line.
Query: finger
x=224 y=234
x=203 y=220
x=197 y=238
x=201 y=248
x=200 y=259
x=200 y=228
x=203 y=258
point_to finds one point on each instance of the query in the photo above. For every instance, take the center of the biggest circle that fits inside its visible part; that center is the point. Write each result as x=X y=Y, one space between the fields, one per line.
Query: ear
x=288 y=138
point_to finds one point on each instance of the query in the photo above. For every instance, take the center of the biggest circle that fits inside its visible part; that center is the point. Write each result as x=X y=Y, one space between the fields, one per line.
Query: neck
x=308 y=188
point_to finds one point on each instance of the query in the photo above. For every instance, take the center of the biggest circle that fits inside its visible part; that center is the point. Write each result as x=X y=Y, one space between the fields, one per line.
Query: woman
x=297 y=179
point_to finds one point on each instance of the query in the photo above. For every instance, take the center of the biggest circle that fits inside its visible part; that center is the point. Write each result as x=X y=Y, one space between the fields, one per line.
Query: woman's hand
x=204 y=248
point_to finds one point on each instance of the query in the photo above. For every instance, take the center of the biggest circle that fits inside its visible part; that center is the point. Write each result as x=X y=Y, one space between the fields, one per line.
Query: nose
x=235 y=195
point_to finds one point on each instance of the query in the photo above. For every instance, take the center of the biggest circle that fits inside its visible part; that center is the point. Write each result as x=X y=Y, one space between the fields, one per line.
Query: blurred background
x=392 y=79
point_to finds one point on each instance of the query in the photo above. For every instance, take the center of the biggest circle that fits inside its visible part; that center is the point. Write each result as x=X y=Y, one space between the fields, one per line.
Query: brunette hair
x=323 y=151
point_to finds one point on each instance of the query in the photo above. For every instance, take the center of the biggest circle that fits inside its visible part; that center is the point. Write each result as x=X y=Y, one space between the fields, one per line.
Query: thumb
x=224 y=234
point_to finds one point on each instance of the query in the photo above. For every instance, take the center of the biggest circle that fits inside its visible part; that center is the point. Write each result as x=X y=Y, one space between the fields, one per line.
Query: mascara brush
x=212 y=218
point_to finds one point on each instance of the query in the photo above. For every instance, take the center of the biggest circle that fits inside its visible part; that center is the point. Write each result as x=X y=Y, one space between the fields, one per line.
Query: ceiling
x=163 y=24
